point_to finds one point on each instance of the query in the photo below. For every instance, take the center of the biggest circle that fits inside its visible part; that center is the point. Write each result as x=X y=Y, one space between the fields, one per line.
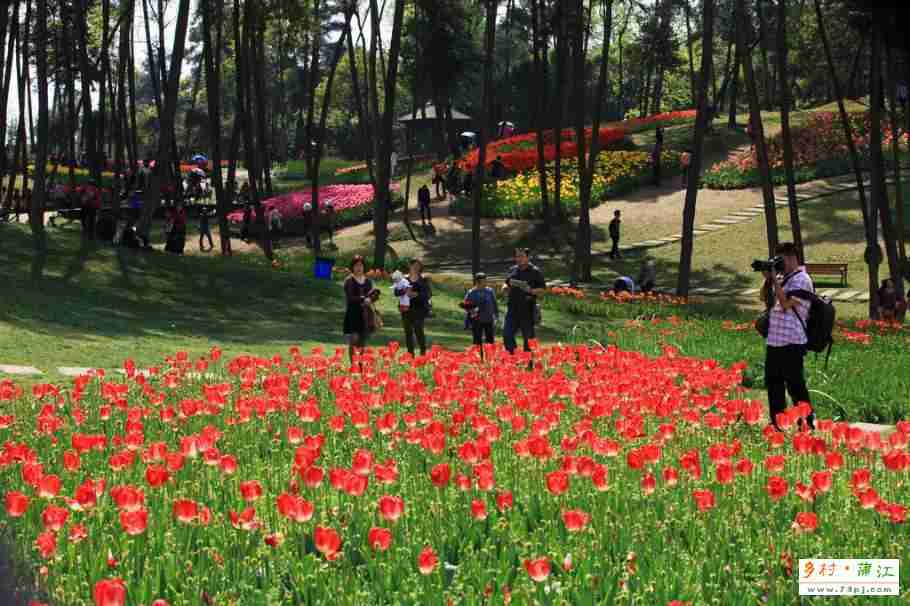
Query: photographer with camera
x=785 y=329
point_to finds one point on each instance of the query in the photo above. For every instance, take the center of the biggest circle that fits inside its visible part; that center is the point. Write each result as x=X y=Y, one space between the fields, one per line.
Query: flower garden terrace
x=601 y=474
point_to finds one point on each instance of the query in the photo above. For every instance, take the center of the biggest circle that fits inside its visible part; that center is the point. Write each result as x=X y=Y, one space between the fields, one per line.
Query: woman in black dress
x=413 y=318
x=357 y=291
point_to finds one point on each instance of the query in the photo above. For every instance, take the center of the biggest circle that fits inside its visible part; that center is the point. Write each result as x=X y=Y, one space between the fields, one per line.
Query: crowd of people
x=413 y=292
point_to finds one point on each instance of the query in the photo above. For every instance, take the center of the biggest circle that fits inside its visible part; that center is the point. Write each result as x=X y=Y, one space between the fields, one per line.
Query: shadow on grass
x=85 y=288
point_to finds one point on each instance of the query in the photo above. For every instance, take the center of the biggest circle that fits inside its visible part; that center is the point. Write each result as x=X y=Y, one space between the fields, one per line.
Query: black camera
x=774 y=264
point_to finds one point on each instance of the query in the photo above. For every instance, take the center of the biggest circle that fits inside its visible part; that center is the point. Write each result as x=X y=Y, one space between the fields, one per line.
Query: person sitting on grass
x=889 y=306
x=482 y=312
x=647 y=276
x=624 y=284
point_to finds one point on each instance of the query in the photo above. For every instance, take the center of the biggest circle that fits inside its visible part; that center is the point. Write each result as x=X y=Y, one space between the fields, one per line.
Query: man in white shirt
x=786 y=341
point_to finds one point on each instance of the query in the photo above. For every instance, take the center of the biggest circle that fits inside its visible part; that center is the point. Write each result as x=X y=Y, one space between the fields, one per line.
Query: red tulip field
x=601 y=476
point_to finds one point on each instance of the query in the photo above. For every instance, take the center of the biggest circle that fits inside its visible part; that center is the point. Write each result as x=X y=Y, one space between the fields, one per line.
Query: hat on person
x=480 y=276
x=307 y=206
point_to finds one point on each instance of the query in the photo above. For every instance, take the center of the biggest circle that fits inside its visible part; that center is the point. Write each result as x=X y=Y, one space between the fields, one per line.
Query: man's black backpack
x=820 y=325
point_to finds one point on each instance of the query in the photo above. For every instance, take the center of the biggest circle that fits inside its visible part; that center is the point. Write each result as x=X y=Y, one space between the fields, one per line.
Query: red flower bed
x=261 y=480
x=519 y=152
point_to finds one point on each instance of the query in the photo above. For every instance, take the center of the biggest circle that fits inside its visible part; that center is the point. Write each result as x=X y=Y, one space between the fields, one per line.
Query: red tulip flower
x=575 y=520
x=128 y=498
x=478 y=509
x=704 y=499
x=295 y=508
x=327 y=541
x=54 y=517
x=185 y=510
x=504 y=500
x=391 y=508
x=156 y=475
x=557 y=482
x=16 y=504
x=379 y=538
x=427 y=561
x=777 y=487
x=538 y=569
x=46 y=544
x=250 y=490
x=806 y=521
x=821 y=481
x=440 y=475
x=49 y=486
x=134 y=522
x=110 y=592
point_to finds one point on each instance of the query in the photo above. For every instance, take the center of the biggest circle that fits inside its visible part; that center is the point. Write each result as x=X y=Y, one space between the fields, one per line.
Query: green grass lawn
x=294 y=175
x=93 y=306
x=832 y=229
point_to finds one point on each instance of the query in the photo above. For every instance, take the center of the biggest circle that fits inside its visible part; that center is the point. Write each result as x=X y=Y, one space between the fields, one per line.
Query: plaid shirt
x=784 y=328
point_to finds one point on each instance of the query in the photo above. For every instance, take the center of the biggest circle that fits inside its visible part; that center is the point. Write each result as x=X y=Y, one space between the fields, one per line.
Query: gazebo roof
x=428 y=112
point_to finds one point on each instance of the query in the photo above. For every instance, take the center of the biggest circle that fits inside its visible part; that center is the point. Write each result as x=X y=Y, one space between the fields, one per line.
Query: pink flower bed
x=343 y=197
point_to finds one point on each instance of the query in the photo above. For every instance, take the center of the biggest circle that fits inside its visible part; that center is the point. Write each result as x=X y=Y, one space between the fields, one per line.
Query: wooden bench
x=828 y=269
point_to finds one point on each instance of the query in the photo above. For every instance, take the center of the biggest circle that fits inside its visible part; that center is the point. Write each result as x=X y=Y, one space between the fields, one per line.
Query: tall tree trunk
x=337 y=53
x=102 y=84
x=758 y=132
x=873 y=253
x=10 y=28
x=36 y=216
x=382 y=200
x=188 y=118
x=878 y=186
x=581 y=269
x=621 y=88
x=264 y=140
x=721 y=94
x=166 y=123
x=763 y=34
x=89 y=141
x=133 y=130
x=852 y=87
x=560 y=98
x=661 y=58
x=701 y=126
x=245 y=65
x=688 y=9
x=538 y=104
x=211 y=59
x=896 y=135
x=786 y=136
x=486 y=114
x=363 y=122
x=154 y=73
x=734 y=76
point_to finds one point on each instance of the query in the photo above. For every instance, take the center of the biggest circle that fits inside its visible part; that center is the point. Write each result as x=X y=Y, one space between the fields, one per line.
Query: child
x=482 y=311
x=401 y=283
